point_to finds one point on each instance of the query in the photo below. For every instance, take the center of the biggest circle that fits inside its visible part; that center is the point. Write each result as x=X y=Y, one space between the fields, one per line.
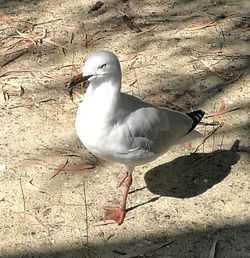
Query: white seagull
x=116 y=126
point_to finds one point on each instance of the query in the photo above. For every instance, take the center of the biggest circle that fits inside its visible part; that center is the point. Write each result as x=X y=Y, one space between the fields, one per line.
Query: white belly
x=96 y=133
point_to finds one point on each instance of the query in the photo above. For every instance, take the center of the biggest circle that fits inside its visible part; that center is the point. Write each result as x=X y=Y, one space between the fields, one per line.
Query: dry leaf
x=96 y=6
x=60 y=167
x=36 y=220
x=130 y=23
x=30 y=185
x=51 y=42
x=67 y=167
x=6 y=95
x=78 y=167
x=222 y=105
x=7 y=19
x=70 y=37
x=22 y=91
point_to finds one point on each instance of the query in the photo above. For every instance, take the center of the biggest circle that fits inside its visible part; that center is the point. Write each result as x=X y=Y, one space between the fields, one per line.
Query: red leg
x=123 y=178
x=117 y=214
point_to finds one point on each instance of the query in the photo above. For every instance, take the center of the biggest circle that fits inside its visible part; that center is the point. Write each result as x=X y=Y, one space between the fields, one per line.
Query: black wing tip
x=196 y=116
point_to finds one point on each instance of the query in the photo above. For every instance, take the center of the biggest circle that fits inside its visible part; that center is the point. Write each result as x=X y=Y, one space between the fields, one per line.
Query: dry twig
x=86 y=211
x=36 y=103
x=21 y=186
x=89 y=39
x=202 y=26
x=15 y=71
x=222 y=110
x=208 y=136
x=147 y=249
x=213 y=250
x=11 y=57
x=146 y=31
x=201 y=66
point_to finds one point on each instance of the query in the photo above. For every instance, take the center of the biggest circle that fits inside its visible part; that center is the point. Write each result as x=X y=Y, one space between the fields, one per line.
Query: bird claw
x=112 y=215
x=117 y=214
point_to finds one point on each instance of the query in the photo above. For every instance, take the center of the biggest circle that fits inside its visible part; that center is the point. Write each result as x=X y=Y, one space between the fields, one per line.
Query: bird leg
x=117 y=214
x=123 y=178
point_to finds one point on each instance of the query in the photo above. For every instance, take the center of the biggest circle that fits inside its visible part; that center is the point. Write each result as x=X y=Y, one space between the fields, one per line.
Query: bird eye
x=103 y=66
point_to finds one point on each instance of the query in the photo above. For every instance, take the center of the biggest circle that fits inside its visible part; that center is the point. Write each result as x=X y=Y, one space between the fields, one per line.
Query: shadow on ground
x=195 y=244
x=191 y=175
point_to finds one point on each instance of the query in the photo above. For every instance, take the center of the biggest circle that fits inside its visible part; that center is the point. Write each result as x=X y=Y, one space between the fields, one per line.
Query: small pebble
x=3 y=167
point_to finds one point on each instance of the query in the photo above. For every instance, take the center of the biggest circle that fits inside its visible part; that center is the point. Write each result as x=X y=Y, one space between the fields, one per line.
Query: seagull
x=119 y=127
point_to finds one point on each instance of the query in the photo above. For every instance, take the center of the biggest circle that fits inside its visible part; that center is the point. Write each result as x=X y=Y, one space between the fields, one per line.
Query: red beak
x=76 y=80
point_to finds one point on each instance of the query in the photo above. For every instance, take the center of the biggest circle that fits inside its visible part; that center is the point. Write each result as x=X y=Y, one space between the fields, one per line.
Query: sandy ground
x=185 y=54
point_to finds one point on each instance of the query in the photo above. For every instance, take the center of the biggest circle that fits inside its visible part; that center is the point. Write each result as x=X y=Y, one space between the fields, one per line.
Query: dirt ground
x=182 y=54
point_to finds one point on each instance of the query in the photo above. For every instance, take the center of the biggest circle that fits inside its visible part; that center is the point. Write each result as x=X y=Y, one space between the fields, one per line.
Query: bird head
x=100 y=66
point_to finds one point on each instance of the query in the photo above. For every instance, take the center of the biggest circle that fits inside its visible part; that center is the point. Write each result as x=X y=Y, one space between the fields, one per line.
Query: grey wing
x=154 y=130
x=145 y=131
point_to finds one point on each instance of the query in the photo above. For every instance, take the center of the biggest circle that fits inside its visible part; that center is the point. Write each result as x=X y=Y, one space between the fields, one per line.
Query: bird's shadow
x=191 y=175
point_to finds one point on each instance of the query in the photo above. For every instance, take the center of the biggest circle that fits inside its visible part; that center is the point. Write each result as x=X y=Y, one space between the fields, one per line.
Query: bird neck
x=105 y=95
x=107 y=87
